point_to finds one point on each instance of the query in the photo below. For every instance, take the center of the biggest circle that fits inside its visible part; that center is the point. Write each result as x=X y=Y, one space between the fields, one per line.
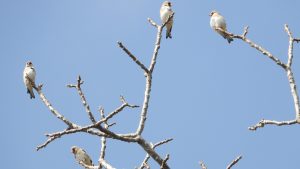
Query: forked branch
x=286 y=67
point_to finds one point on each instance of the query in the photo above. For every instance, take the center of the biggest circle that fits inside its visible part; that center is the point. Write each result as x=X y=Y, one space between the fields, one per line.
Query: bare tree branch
x=102 y=162
x=149 y=75
x=150 y=150
x=263 y=122
x=163 y=165
x=139 y=63
x=82 y=97
x=234 y=162
x=52 y=109
x=145 y=161
x=254 y=45
x=96 y=127
x=287 y=68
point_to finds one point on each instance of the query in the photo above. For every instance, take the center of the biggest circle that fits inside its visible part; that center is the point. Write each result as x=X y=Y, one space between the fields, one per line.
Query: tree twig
x=234 y=162
x=82 y=97
x=287 y=68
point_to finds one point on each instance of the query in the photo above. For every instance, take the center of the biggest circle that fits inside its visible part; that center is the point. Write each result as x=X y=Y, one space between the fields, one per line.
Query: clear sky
x=205 y=92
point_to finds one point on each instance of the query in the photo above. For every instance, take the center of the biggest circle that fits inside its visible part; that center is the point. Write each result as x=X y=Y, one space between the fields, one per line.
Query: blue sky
x=205 y=92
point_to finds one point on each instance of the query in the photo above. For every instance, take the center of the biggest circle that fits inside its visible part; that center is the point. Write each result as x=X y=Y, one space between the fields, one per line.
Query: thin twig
x=254 y=45
x=52 y=109
x=150 y=150
x=262 y=123
x=163 y=165
x=103 y=140
x=139 y=63
x=145 y=161
x=149 y=75
x=287 y=68
x=82 y=97
x=234 y=162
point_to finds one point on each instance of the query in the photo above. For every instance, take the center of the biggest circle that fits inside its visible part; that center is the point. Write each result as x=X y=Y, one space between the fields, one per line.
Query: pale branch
x=103 y=140
x=153 y=23
x=234 y=162
x=254 y=45
x=263 y=122
x=157 y=43
x=139 y=63
x=290 y=75
x=287 y=68
x=54 y=136
x=145 y=161
x=97 y=129
x=52 y=109
x=149 y=78
x=202 y=165
x=91 y=129
x=82 y=97
x=103 y=162
x=150 y=150
x=291 y=46
x=106 y=165
x=119 y=109
x=163 y=165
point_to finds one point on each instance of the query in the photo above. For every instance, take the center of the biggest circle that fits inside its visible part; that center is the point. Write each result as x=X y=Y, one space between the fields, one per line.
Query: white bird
x=29 y=78
x=218 y=21
x=165 y=13
x=81 y=156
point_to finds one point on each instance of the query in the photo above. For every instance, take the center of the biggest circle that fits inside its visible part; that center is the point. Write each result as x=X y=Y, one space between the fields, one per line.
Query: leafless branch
x=139 y=63
x=52 y=109
x=103 y=162
x=163 y=165
x=145 y=161
x=234 y=162
x=103 y=140
x=254 y=45
x=149 y=75
x=83 y=99
x=287 y=68
x=262 y=123
x=96 y=127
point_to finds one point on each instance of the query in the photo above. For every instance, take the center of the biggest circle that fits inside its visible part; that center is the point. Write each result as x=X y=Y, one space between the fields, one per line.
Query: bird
x=29 y=78
x=81 y=156
x=218 y=21
x=165 y=13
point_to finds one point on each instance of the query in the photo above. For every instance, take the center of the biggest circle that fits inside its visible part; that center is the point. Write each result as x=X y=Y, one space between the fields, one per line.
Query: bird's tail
x=30 y=92
x=168 y=32
x=226 y=36
x=168 y=35
x=229 y=39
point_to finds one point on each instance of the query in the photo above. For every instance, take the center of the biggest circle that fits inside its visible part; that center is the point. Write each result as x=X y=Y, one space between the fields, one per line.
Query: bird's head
x=213 y=13
x=167 y=4
x=74 y=149
x=29 y=64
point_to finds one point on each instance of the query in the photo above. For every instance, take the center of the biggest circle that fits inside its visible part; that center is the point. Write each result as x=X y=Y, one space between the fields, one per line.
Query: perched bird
x=218 y=21
x=29 y=78
x=165 y=13
x=81 y=156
